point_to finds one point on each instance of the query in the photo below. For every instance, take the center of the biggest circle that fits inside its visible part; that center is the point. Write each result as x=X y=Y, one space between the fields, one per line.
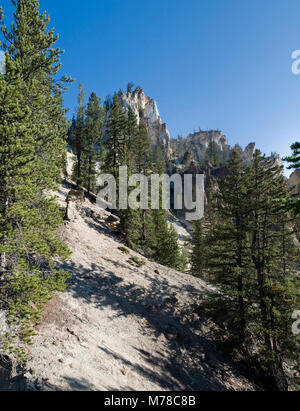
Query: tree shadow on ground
x=79 y=384
x=157 y=305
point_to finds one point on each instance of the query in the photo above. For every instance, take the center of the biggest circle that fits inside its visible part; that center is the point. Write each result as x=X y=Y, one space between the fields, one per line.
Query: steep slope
x=123 y=327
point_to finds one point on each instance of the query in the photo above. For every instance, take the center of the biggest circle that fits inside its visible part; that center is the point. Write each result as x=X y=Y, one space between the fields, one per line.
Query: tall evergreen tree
x=198 y=250
x=212 y=155
x=250 y=258
x=92 y=145
x=32 y=140
x=116 y=138
x=229 y=249
x=130 y=220
x=165 y=239
x=131 y=130
x=80 y=134
x=272 y=253
x=142 y=151
x=143 y=163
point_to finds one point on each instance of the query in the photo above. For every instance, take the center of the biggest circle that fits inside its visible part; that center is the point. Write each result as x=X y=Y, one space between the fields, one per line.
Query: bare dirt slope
x=120 y=327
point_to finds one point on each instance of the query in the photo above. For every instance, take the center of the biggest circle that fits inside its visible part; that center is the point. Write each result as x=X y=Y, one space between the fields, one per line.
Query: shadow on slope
x=190 y=360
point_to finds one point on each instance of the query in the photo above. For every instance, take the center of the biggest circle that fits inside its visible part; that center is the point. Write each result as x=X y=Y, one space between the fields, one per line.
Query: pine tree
x=143 y=163
x=92 y=143
x=198 y=250
x=131 y=133
x=293 y=203
x=159 y=217
x=273 y=252
x=31 y=45
x=32 y=147
x=80 y=135
x=228 y=255
x=294 y=159
x=251 y=261
x=212 y=155
x=164 y=238
x=116 y=138
x=130 y=220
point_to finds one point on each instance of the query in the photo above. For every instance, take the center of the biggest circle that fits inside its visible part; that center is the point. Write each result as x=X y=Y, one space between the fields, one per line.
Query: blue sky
x=222 y=64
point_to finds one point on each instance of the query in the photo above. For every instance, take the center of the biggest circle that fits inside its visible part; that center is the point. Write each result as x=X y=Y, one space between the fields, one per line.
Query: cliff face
x=199 y=142
x=247 y=154
x=146 y=110
x=294 y=182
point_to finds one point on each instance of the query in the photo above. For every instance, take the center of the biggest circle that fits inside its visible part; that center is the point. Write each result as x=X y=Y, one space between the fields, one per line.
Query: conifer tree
x=165 y=239
x=32 y=141
x=250 y=259
x=198 y=250
x=293 y=203
x=273 y=257
x=131 y=133
x=143 y=163
x=142 y=150
x=212 y=155
x=130 y=220
x=80 y=135
x=159 y=241
x=30 y=43
x=294 y=159
x=116 y=138
x=92 y=144
x=228 y=256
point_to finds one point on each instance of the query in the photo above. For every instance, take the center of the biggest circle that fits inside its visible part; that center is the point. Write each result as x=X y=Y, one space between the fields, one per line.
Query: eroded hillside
x=122 y=325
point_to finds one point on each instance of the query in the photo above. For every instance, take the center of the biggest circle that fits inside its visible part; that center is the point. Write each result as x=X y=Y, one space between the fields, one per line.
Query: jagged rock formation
x=199 y=142
x=146 y=110
x=278 y=159
x=294 y=182
x=247 y=154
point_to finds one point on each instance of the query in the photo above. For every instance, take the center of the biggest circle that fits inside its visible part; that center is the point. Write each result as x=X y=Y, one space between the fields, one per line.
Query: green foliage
x=293 y=203
x=167 y=250
x=248 y=252
x=212 y=155
x=294 y=159
x=124 y=250
x=85 y=139
x=198 y=250
x=116 y=138
x=136 y=262
x=179 y=146
x=128 y=144
x=32 y=152
x=93 y=139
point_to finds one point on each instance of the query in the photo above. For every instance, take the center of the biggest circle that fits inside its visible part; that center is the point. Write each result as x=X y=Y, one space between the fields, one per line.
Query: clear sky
x=222 y=64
